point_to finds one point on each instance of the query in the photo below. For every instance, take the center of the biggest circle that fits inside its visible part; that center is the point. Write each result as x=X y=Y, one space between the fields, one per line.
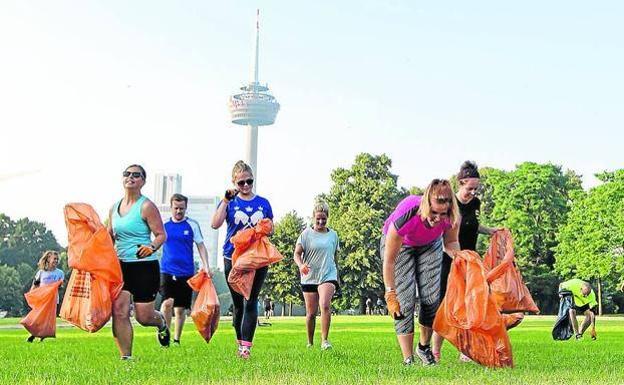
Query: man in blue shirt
x=177 y=265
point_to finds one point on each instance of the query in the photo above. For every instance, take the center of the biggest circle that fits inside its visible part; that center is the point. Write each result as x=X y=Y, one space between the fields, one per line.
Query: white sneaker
x=326 y=345
x=309 y=346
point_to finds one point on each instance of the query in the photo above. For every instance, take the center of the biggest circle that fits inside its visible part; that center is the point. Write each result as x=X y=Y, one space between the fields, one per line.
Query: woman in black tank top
x=469 y=228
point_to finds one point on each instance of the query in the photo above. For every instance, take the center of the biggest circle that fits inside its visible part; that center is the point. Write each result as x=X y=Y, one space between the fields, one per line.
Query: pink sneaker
x=245 y=353
x=464 y=358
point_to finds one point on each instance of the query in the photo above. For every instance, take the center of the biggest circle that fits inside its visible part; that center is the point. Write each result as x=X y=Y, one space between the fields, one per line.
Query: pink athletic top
x=408 y=224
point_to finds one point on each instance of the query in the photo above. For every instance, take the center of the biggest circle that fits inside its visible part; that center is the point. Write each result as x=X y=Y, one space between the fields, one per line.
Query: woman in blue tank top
x=131 y=223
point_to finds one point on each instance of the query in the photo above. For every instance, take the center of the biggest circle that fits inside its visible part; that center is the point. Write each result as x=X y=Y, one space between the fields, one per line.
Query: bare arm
x=203 y=255
x=486 y=230
x=451 y=240
x=35 y=282
x=298 y=257
x=219 y=216
x=221 y=213
x=151 y=215
x=298 y=254
x=109 y=225
x=391 y=250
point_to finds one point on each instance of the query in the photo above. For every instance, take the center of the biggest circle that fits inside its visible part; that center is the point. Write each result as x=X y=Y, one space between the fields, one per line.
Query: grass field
x=365 y=351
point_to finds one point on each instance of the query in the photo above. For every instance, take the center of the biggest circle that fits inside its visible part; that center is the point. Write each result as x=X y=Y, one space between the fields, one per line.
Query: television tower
x=254 y=107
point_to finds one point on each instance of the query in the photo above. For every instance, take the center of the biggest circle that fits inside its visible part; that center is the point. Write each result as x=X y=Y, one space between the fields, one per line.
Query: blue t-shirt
x=177 y=257
x=242 y=214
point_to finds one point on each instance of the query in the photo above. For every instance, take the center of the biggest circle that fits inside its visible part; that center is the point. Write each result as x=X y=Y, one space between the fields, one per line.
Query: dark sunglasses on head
x=248 y=182
x=441 y=200
x=439 y=181
x=134 y=174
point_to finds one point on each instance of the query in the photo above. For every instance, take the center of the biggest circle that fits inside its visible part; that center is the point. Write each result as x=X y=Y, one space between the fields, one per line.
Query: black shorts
x=314 y=288
x=176 y=287
x=141 y=279
x=581 y=309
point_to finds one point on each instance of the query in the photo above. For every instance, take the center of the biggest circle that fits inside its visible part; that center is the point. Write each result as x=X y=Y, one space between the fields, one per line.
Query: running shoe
x=164 y=336
x=426 y=356
x=176 y=342
x=126 y=358
x=309 y=346
x=409 y=361
x=30 y=339
x=326 y=345
x=245 y=353
x=464 y=358
x=579 y=336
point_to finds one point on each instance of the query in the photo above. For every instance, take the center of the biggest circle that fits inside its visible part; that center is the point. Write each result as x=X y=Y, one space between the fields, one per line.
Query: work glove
x=145 y=251
x=394 y=309
x=229 y=195
x=304 y=269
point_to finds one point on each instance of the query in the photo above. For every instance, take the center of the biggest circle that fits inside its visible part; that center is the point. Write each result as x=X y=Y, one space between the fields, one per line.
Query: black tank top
x=469 y=228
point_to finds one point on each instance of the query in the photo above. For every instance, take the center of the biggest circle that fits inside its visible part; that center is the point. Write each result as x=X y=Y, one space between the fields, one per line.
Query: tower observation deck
x=253 y=107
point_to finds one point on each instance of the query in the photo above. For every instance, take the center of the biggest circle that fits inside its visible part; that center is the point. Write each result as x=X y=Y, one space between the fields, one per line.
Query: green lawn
x=365 y=351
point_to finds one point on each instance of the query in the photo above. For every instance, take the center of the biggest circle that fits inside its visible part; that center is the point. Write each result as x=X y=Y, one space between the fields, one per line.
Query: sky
x=89 y=87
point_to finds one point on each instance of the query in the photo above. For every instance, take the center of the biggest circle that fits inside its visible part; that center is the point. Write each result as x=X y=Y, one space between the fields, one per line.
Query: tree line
x=560 y=231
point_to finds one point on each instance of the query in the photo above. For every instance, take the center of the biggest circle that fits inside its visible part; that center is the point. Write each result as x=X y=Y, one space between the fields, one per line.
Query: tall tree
x=360 y=198
x=591 y=244
x=282 y=282
x=24 y=241
x=10 y=290
x=533 y=201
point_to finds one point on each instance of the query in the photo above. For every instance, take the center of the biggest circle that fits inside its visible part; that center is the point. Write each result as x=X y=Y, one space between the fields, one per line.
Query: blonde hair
x=240 y=167
x=44 y=260
x=441 y=191
x=320 y=206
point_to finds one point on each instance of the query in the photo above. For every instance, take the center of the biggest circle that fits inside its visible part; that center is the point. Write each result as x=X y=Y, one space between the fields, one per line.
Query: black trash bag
x=563 y=327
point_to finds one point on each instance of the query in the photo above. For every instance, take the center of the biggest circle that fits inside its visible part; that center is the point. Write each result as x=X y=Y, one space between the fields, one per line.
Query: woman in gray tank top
x=315 y=255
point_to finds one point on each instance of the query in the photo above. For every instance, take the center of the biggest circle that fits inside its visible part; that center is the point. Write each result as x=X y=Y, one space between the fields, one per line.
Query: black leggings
x=245 y=316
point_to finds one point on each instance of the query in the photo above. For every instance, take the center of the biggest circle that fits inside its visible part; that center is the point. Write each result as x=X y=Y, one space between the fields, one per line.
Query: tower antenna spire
x=257 y=50
x=254 y=106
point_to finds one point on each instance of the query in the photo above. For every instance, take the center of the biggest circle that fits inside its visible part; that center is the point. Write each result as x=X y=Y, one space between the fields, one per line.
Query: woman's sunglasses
x=247 y=182
x=134 y=174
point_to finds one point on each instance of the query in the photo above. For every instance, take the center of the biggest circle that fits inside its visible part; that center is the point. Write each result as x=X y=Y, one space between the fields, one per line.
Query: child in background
x=47 y=274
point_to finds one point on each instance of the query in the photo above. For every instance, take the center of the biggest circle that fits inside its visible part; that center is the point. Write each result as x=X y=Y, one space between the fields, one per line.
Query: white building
x=200 y=208
x=165 y=186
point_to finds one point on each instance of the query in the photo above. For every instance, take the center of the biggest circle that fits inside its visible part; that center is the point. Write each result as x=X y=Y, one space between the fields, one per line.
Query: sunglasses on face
x=247 y=182
x=133 y=174
x=435 y=214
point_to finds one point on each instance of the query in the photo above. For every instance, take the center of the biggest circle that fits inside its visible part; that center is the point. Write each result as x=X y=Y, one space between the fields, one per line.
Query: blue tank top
x=131 y=230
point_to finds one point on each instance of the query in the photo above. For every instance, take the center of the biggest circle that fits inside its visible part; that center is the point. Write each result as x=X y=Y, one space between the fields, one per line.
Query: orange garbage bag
x=87 y=303
x=252 y=250
x=96 y=279
x=41 y=320
x=468 y=316
x=206 y=310
x=506 y=284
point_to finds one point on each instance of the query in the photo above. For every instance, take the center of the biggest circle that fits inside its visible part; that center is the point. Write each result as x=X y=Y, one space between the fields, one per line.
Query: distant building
x=165 y=186
x=200 y=208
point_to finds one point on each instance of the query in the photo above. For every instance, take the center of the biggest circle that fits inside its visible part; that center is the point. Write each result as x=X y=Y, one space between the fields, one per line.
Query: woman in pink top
x=411 y=248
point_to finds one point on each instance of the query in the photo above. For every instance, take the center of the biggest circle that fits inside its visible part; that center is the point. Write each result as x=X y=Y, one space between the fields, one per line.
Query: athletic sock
x=423 y=347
